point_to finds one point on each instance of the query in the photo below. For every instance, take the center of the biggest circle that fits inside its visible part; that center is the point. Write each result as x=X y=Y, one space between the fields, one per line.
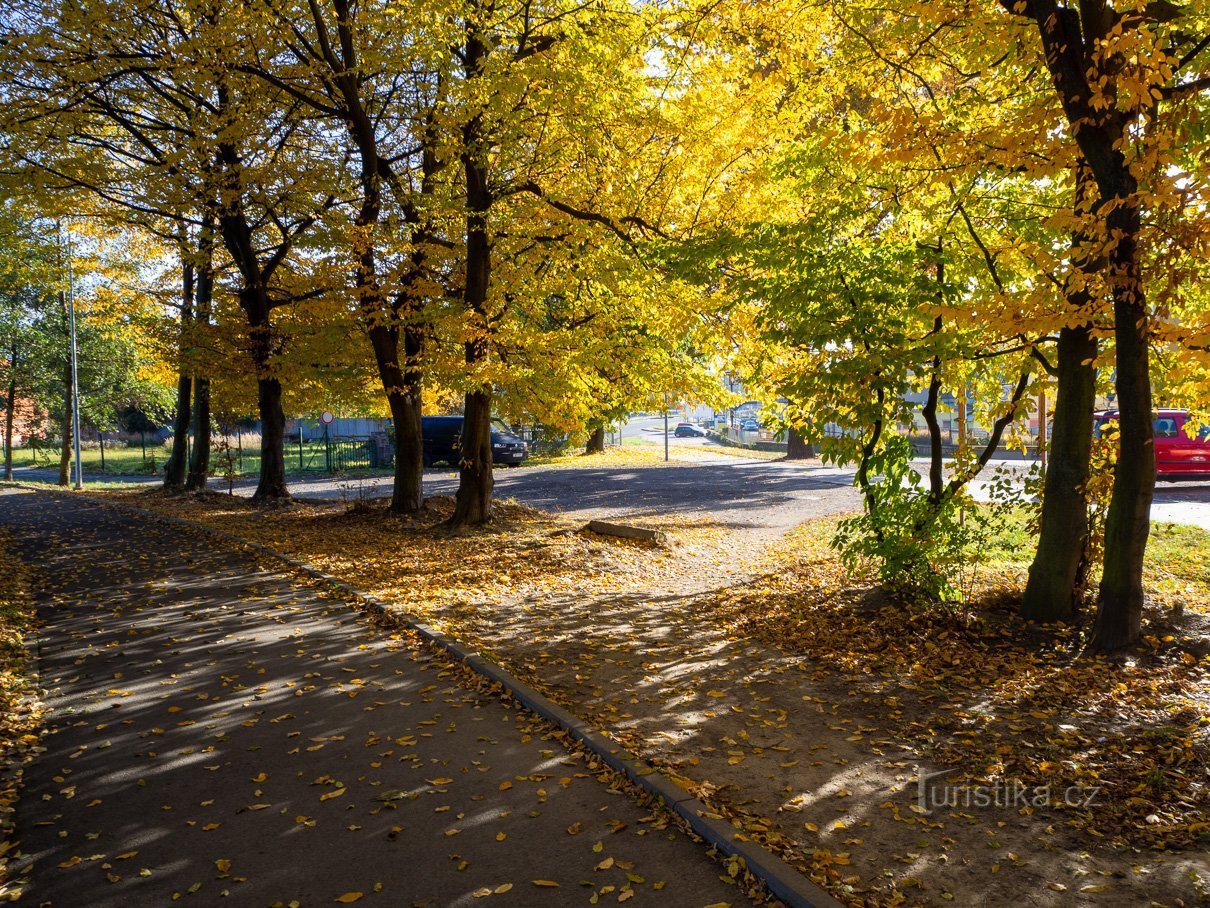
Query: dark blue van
x=443 y=442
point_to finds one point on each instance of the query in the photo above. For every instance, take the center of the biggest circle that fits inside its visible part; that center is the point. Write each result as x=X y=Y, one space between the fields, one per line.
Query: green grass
x=1182 y=550
x=1176 y=567
x=121 y=460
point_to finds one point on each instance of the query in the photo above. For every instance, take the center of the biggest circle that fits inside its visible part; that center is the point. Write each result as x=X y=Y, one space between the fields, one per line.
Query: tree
x=1112 y=69
x=180 y=141
x=81 y=118
x=350 y=65
x=1059 y=571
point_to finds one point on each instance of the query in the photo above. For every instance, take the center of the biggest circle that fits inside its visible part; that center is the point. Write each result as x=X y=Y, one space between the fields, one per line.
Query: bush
x=925 y=550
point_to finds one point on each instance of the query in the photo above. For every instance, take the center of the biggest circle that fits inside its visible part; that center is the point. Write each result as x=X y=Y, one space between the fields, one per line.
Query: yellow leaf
x=350 y=897
x=223 y=864
x=502 y=888
x=546 y=884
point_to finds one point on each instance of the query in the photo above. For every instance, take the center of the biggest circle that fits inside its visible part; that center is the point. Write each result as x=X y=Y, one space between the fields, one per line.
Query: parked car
x=1177 y=456
x=443 y=442
x=749 y=425
x=689 y=430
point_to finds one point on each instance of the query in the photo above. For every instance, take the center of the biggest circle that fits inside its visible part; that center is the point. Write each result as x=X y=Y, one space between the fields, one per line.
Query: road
x=222 y=734
x=736 y=490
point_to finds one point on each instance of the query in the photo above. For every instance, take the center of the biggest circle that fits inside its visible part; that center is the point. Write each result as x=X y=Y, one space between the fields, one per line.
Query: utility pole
x=75 y=382
x=665 y=427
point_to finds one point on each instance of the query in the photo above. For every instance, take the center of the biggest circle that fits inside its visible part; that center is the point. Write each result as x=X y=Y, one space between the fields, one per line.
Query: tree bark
x=1128 y=523
x=596 y=440
x=10 y=413
x=797 y=447
x=473 y=502
x=199 y=459
x=1055 y=577
x=272 y=483
x=1070 y=36
x=403 y=397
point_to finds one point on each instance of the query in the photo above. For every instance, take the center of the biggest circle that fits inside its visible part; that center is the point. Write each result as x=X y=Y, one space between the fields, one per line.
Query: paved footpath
x=223 y=735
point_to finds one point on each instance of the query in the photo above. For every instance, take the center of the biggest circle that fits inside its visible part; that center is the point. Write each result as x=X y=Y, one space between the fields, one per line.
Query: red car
x=1177 y=456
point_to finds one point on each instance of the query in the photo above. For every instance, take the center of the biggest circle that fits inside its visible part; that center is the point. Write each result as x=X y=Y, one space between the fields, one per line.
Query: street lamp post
x=665 y=427
x=75 y=382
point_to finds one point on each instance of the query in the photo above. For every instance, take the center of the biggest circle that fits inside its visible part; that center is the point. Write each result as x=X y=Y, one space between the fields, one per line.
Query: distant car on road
x=689 y=430
x=749 y=425
x=443 y=442
x=1177 y=456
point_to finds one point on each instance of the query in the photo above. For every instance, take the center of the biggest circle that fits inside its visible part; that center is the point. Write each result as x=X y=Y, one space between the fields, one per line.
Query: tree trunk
x=1055 y=582
x=65 y=455
x=1070 y=35
x=199 y=460
x=10 y=413
x=272 y=484
x=402 y=388
x=797 y=447
x=256 y=268
x=473 y=504
x=1128 y=523
x=407 y=493
x=596 y=441
x=178 y=460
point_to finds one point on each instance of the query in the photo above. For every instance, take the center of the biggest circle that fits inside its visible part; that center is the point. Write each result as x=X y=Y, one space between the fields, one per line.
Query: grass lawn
x=121 y=460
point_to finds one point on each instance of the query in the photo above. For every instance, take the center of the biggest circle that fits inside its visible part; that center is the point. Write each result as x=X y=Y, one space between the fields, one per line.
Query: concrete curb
x=782 y=880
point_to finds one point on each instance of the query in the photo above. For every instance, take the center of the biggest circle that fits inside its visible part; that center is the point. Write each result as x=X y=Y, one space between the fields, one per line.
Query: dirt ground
x=802 y=753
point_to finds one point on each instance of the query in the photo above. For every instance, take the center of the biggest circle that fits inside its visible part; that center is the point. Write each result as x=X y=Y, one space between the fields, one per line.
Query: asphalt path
x=734 y=490
x=221 y=734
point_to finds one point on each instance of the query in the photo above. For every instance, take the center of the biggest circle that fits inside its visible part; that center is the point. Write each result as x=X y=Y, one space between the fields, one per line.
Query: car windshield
x=498 y=425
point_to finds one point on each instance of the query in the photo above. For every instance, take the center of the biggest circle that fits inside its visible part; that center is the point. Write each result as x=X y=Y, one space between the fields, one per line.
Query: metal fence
x=341 y=455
